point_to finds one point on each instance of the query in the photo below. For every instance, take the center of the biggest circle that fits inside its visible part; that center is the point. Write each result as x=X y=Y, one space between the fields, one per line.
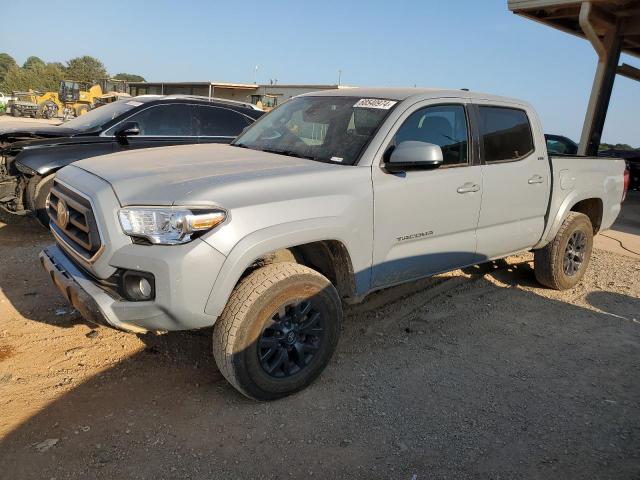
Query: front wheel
x=278 y=331
x=38 y=190
x=561 y=264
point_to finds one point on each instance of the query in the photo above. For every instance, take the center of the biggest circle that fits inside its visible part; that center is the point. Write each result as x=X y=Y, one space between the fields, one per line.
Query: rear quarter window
x=218 y=121
x=506 y=134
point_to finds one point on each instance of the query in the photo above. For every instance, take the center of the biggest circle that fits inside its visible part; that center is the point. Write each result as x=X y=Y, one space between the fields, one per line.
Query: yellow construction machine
x=265 y=101
x=77 y=98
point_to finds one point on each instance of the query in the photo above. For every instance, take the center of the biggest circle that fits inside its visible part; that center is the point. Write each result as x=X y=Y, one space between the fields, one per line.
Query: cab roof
x=409 y=93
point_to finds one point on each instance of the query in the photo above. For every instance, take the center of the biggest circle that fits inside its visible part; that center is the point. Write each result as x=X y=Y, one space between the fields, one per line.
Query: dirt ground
x=9 y=120
x=477 y=373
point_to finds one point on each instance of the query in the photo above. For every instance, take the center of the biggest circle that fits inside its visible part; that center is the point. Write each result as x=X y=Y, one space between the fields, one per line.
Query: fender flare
x=257 y=244
x=563 y=210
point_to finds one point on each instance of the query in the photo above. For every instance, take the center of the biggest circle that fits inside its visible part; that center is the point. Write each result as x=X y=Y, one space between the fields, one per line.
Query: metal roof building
x=206 y=89
x=244 y=92
x=612 y=27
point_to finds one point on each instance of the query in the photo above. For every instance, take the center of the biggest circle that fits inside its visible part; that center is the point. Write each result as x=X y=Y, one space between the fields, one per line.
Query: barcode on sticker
x=375 y=103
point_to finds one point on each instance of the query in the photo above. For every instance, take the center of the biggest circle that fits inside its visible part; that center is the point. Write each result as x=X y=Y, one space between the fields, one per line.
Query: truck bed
x=577 y=178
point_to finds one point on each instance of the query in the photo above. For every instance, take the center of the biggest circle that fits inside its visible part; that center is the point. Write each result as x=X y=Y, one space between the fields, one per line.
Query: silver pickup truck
x=327 y=198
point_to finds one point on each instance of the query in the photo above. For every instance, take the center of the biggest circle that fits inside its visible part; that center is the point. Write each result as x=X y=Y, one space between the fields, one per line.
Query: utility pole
x=255 y=75
x=339 y=76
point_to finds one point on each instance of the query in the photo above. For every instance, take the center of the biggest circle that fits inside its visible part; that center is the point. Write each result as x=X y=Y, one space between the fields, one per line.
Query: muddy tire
x=561 y=263
x=37 y=193
x=278 y=330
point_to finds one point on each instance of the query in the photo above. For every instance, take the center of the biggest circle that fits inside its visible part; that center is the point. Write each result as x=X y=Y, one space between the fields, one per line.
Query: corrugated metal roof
x=247 y=86
x=564 y=15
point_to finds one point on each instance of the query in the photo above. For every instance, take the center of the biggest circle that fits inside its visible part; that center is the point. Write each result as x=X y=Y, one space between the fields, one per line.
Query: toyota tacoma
x=325 y=199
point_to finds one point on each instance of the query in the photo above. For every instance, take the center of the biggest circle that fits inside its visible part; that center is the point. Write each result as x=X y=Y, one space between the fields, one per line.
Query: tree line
x=36 y=74
x=617 y=146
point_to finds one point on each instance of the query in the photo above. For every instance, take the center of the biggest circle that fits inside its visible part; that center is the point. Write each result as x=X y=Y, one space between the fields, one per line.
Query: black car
x=560 y=145
x=634 y=173
x=632 y=157
x=31 y=154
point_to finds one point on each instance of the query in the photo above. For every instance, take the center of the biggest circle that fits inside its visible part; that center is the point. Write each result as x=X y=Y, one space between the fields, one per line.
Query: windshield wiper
x=289 y=153
x=241 y=145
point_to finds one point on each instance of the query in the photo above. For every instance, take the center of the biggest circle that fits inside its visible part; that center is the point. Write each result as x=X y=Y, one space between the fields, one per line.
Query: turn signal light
x=205 y=221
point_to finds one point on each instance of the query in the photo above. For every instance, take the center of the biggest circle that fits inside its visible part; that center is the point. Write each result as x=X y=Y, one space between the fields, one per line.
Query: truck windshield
x=328 y=129
x=94 y=119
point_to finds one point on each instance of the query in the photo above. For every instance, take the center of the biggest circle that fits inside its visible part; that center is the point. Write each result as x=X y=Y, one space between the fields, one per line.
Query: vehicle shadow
x=22 y=279
x=616 y=304
x=629 y=219
x=480 y=378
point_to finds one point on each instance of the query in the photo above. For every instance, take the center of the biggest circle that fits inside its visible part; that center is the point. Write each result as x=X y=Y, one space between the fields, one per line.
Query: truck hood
x=16 y=131
x=39 y=149
x=196 y=174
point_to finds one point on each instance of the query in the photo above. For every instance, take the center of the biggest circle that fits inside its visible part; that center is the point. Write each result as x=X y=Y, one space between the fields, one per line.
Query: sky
x=475 y=44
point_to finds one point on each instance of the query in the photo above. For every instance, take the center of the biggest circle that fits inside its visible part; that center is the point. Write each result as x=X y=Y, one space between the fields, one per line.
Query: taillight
x=627 y=180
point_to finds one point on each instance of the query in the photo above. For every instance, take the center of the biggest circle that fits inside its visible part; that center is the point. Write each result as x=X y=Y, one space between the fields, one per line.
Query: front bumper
x=184 y=276
x=80 y=291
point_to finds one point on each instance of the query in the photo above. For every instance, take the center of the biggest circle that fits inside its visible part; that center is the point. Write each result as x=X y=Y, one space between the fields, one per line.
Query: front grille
x=76 y=227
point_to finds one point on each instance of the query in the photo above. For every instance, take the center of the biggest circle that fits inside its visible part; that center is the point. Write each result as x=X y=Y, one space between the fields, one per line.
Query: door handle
x=468 y=187
x=536 y=179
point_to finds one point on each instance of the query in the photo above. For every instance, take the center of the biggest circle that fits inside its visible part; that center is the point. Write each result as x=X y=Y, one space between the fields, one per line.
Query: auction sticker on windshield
x=375 y=103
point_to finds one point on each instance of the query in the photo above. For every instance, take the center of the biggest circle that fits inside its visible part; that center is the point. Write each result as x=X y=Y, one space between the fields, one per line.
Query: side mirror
x=128 y=129
x=412 y=155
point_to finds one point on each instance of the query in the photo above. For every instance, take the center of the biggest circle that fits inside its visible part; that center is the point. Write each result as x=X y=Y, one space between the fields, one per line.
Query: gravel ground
x=477 y=373
x=9 y=120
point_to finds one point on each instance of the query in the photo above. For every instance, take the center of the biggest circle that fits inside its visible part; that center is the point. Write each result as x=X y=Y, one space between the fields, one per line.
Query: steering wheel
x=270 y=134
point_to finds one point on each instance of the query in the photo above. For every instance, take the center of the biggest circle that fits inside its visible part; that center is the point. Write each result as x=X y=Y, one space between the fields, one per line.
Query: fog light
x=145 y=287
x=138 y=286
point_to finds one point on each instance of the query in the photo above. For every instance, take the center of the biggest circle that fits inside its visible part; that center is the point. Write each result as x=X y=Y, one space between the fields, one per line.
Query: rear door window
x=218 y=122
x=506 y=134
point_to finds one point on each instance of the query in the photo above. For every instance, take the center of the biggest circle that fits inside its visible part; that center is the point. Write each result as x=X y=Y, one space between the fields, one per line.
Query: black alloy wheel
x=574 y=253
x=290 y=341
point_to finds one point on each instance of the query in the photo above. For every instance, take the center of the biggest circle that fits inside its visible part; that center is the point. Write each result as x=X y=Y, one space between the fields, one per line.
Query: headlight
x=168 y=225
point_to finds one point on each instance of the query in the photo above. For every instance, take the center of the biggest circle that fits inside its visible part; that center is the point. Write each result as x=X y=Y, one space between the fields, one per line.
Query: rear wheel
x=37 y=197
x=561 y=263
x=278 y=331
